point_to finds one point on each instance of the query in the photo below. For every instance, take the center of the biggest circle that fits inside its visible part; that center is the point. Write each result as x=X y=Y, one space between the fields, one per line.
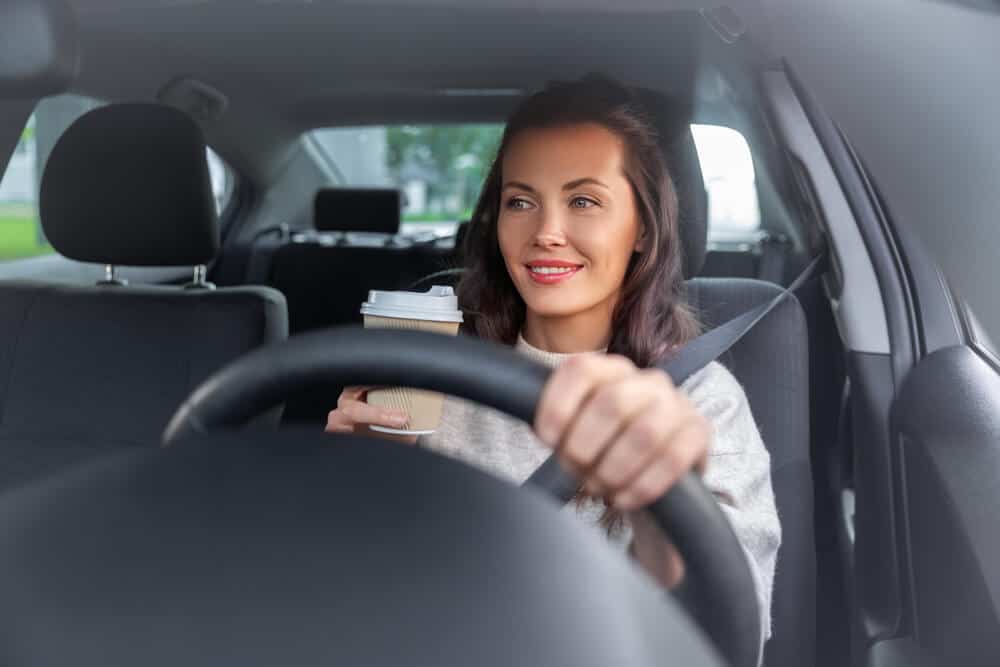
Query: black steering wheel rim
x=726 y=605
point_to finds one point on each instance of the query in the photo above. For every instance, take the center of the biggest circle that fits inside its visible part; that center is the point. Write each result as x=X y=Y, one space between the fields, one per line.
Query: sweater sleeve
x=738 y=472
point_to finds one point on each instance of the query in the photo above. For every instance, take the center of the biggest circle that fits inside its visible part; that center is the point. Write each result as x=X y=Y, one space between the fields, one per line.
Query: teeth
x=551 y=269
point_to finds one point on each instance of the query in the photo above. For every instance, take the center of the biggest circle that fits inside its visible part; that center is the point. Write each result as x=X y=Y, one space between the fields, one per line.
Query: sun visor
x=357 y=210
x=39 y=48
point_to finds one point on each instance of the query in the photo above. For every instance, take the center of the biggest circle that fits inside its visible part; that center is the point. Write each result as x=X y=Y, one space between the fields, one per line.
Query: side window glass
x=222 y=180
x=21 y=234
x=727 y=167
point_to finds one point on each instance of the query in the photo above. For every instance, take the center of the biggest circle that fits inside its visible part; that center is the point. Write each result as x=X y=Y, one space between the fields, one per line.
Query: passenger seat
x=85 y=369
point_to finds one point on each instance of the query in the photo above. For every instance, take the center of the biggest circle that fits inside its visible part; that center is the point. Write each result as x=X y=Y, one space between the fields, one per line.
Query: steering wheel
x=722 y=597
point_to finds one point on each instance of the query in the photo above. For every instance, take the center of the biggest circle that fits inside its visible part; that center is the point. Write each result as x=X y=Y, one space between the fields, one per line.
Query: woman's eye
x=582 y=202
x=518 y=204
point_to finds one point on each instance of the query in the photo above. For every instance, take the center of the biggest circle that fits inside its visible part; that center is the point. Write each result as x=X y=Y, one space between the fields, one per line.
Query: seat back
x=87 y=368
x=326 y=285
x=772 y=364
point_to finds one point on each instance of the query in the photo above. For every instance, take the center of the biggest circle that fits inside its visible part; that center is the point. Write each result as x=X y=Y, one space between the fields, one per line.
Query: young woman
x=573 y=258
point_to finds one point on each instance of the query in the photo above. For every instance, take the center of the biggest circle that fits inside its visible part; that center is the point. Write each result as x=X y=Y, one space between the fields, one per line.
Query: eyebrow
x=584 y=181
x=519 y=185
x=568 y=186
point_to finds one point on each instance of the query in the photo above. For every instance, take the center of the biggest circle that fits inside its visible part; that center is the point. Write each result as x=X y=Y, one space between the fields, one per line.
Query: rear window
x=438 y=168
x=441 y=168
x=727 y=167
x=20 y=234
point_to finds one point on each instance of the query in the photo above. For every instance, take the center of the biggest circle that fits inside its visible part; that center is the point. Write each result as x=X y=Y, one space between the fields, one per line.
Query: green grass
x=18 y=238
x=437 y=217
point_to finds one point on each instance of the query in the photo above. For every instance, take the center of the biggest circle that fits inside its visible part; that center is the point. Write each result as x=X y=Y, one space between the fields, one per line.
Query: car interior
x=200 y=220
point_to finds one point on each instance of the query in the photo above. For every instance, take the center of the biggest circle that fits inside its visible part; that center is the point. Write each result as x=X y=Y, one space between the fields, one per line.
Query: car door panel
x=946 y=423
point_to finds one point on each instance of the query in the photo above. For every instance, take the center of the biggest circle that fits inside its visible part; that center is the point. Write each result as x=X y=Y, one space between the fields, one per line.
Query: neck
x=581 y=332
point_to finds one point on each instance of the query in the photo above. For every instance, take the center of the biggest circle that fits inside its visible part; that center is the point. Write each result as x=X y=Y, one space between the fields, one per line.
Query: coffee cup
x=435 y=310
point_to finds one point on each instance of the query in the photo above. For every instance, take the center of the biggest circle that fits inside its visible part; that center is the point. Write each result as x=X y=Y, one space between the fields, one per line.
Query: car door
x=916 y=464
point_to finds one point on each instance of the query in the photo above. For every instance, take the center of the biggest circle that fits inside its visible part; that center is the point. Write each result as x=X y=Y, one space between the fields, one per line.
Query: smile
x=548 y=275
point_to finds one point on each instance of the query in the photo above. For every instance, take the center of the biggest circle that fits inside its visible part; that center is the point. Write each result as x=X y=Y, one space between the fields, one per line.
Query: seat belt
x=552 y=478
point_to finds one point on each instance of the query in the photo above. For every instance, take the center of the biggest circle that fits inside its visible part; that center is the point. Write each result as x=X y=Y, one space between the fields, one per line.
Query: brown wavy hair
x=651 y=318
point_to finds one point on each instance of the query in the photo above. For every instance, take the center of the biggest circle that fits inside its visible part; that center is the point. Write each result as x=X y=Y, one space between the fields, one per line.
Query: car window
x=727 y=167
x=438 y=168
x=20 y=234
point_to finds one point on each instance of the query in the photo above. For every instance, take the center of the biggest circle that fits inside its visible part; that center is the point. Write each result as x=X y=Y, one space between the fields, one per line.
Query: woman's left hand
x=627 y=434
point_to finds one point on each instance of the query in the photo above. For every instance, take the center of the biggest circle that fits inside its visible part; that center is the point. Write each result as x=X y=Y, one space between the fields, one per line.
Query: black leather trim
x=299 y=548
x=498 y=377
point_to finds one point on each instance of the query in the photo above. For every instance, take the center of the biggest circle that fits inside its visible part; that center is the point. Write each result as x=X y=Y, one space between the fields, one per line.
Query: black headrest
x=357 y=210
x=672 y=122
x=129 y=184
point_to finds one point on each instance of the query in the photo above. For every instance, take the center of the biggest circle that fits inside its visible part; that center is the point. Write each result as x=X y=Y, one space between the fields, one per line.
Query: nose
x=551 y=232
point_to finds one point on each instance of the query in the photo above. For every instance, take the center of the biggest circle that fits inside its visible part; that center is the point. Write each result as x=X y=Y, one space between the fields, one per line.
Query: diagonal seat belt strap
x=698 y=353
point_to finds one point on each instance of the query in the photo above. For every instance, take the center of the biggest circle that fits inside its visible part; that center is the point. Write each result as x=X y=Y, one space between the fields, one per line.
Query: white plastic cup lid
x=438 y=304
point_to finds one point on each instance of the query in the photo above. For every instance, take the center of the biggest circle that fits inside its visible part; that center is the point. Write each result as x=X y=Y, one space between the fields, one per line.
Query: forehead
x=562 y=154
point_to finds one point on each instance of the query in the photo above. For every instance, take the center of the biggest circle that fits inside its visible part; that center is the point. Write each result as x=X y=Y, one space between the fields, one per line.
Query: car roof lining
x=286 y=67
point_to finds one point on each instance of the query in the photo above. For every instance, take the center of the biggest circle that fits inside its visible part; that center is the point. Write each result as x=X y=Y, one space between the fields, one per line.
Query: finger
x=604 y=415
x=352 y=394
x=568 y=388
x=357 y=412
x=684 y=449
x=335 y=423
x=654 y=550
x=650 y=435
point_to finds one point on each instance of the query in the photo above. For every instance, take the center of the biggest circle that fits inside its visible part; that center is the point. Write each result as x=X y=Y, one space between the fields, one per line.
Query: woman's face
x=568 y=223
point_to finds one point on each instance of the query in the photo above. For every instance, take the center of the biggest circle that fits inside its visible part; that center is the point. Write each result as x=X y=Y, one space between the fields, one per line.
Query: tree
x=453 y=158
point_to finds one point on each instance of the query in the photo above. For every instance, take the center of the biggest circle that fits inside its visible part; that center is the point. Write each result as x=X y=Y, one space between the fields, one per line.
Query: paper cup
x=436 y=311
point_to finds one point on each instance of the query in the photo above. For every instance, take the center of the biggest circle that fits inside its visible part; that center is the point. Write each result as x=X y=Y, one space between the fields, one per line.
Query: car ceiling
x=288 y=65
x=914 y=89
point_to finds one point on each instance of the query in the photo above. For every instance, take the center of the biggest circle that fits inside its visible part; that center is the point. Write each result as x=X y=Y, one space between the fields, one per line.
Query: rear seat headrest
x=357 y=210
x=128 y=184
x=672 y=122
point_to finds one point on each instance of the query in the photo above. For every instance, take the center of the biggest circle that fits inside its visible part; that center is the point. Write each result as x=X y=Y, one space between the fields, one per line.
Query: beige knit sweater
x=738 y=470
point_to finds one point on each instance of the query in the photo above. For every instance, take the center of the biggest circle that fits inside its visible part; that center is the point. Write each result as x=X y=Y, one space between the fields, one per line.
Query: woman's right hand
x=354 y=415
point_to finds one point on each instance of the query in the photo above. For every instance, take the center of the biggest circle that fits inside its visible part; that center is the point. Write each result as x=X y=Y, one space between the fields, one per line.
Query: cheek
x=609 y=245
x=510 y=238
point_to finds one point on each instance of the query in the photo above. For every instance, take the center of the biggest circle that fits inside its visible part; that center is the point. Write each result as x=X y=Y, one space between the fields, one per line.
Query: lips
x=551 y=271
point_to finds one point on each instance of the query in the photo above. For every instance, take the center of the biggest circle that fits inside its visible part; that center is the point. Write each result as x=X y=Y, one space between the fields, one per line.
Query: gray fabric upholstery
x=685 y=169
x=326 y=285
x=772 y=363
x=87 y=369
x=84 y=369
x=672 y=122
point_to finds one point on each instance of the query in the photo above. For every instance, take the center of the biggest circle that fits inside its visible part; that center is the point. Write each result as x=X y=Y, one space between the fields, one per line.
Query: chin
x=556 y=305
